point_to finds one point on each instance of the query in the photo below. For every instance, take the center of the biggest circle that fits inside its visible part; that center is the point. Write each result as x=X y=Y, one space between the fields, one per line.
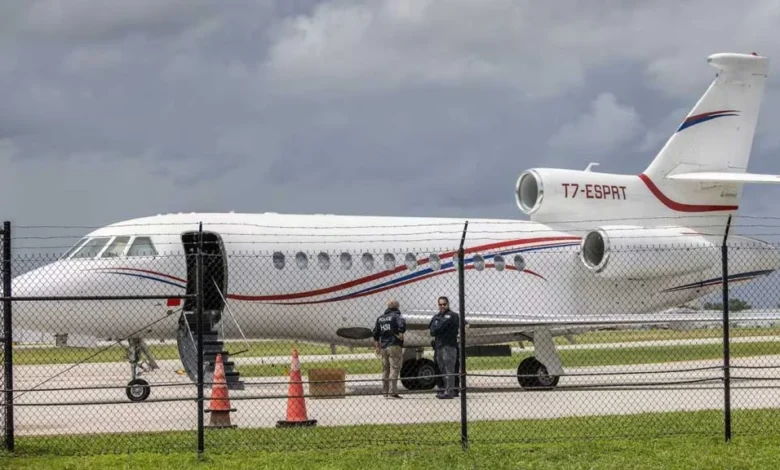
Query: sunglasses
x=442 y=305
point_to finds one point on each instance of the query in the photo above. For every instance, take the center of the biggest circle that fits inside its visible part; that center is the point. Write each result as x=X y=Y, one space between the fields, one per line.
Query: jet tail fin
x=704 y=163
x=717 y=135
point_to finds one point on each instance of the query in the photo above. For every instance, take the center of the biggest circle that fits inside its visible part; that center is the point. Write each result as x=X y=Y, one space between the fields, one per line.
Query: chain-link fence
x=564 y=339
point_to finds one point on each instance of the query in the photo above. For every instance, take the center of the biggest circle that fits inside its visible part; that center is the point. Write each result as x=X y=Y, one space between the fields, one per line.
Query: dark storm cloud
x=114 y=110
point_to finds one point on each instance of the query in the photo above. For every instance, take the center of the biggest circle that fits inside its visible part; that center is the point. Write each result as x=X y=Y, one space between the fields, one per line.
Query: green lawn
x=69 y=355
x=570 y=358
x=664 y=440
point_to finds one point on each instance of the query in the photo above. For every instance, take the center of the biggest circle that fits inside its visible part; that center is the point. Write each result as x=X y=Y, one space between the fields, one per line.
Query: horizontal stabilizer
x=726 y=177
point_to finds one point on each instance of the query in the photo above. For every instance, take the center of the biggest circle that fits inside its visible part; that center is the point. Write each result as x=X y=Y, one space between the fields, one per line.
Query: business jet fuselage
x=321 y=277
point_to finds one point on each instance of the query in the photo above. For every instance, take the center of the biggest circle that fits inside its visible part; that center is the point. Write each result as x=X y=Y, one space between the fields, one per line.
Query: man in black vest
x=389 y=332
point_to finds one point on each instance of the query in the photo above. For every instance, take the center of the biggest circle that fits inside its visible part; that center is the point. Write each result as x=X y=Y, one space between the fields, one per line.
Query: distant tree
x=735 y=305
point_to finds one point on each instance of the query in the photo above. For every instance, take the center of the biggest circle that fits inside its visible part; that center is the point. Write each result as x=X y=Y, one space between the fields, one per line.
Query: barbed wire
x=535 y=229
x=391 y=221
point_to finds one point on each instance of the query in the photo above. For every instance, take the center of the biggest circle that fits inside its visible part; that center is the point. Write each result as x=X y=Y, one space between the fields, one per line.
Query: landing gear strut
x=138 y=389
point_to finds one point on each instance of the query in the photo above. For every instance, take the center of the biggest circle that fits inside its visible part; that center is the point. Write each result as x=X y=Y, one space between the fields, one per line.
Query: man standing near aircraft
x=444 y=328
x=389 y=332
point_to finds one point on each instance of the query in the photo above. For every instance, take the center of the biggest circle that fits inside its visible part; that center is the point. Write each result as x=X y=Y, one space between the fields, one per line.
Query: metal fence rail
x=212 y=346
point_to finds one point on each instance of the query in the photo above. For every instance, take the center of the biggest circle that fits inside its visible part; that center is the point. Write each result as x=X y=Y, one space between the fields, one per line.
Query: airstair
x=215 y=273
x=187 y=340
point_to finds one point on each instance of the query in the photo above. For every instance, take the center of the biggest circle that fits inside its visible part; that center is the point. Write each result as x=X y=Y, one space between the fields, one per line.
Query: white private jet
x=600 y=248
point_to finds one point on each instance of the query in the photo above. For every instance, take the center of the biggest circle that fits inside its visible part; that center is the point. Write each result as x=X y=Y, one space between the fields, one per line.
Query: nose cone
x=43 y=281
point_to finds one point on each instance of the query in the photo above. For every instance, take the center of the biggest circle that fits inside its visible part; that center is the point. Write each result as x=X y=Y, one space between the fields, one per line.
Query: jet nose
x=41 y=282
x=37 y=282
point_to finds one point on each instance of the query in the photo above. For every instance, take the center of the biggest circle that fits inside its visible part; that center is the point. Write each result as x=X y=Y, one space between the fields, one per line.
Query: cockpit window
x=74 y=248
x=142 y=246
x=116 y=248
x=91 y=248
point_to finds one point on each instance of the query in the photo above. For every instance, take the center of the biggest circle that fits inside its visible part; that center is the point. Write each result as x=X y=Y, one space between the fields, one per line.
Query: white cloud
x=344 y=47
x=606 y=126
x=92 y=58
x=656 y=137
x=95 y=19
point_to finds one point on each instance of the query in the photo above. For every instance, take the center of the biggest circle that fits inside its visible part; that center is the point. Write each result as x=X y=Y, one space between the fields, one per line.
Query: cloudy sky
x=117 y=109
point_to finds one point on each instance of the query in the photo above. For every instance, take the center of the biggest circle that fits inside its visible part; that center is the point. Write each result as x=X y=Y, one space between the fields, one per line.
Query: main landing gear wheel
x=418 y=374
x=532 y=374
x=138 y=390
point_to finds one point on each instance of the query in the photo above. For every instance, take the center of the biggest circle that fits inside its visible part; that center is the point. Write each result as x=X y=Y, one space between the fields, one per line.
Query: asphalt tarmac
x=90 y=398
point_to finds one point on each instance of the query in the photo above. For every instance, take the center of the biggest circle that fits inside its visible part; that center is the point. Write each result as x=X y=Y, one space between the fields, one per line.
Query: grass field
x=69 y=355
x=666 y=440
x=570 y=358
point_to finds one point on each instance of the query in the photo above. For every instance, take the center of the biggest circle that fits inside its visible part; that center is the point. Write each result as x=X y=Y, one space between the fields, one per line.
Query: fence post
x=464 y=436
x=199 y=332
x=726 y=332
x=8 y=364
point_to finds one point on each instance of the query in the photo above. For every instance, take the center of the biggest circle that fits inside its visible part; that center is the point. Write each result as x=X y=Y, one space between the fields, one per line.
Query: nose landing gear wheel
x=138 y=390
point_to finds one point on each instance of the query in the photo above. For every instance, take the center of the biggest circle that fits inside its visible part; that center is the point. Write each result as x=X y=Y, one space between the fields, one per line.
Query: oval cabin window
x=435 y=262
x=278 y=260
x=479 y=262
x=302 y=260
x=519 y=263
x=411 y=261
x=346 y=260
x=323 y=260
x=499 y=263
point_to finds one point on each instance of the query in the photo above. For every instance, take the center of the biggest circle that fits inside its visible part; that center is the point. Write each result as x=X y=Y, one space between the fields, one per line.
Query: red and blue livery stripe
x=428 y=273
x=691 y=121
x=146 y=274
x=515 y=246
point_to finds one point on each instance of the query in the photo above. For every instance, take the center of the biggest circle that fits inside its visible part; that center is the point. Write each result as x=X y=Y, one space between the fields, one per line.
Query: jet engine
x=569 y=195
x=529 y=191
x=644 y=253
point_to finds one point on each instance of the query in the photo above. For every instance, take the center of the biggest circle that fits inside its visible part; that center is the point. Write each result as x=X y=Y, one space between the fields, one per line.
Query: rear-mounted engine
x=643 y=253
x=529 y=191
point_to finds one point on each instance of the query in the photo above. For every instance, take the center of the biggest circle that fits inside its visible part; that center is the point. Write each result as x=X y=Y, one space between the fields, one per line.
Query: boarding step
x=212 y=346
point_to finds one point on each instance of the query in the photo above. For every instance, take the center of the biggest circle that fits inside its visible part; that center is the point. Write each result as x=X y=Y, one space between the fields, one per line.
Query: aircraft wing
x=519 y=322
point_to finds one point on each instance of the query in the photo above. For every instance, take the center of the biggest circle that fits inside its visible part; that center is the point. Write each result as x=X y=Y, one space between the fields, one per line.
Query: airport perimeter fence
x=652 y=344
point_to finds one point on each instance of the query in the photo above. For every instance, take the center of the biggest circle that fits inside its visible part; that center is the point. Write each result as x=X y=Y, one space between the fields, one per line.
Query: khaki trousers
x=391 y=369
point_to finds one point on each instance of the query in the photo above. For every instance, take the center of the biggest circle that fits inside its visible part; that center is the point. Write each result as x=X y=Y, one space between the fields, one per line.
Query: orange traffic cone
x=296 y=404
x=220 y=401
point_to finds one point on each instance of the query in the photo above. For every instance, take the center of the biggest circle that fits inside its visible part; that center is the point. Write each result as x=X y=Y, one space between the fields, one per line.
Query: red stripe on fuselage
x=678 y=206
x=409 y=281
x=146 y=271
x=374 y=277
